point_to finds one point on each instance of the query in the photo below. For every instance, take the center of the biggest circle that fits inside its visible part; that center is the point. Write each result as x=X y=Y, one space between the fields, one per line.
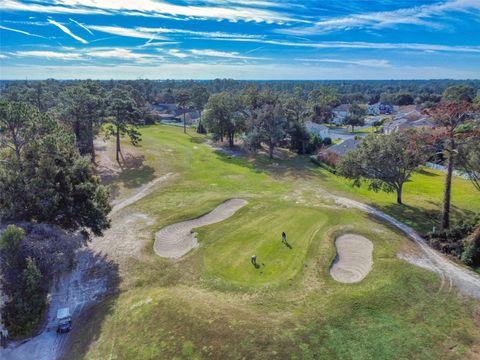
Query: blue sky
x=240 y=39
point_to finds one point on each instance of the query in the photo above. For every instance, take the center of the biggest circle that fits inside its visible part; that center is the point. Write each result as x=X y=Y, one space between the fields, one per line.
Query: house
x=317 y=129
x=344 y=147
x=404 y=124
x=380 y=109
x=164 y=108
x=331 y=155
x=411 y=115
x=340 y=113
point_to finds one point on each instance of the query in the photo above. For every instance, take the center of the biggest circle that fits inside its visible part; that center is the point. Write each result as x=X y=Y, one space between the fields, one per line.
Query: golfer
x=254 y=260
x=284 y=238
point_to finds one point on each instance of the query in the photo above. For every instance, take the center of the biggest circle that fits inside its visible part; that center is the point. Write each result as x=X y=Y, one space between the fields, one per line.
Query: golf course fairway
x=212 y=303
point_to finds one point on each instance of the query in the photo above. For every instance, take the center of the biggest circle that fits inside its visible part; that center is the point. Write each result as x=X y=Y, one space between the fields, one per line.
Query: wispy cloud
x=67 y=31
x=128 y=32
x=206 y=34
x=20 y=31
x=49 y=54
x=177 y=53
x=425 y=15
x=362 y=62
x=241 y=71
x=241 y=11
x=363 y=45
x=118 y=54
x=81 y=25
x=224 y=54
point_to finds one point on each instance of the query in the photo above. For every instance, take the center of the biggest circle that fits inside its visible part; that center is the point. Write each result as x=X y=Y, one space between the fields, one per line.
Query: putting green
x=256 y=230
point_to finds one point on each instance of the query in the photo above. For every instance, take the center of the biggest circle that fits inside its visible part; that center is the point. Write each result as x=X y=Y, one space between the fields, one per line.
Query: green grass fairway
x=257 y=230
x=213 y=304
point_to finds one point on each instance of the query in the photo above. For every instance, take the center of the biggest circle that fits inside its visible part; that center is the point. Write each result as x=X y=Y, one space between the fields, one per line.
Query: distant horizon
x=242 y=80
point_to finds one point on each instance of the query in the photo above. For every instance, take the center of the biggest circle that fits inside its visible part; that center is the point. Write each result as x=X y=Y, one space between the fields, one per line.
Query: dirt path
x=451 y=274
x=174 y=241
x=89 y=280
x=354 y=258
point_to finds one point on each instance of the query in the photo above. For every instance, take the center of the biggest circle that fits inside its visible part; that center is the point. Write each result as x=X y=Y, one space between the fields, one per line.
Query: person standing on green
x=284 y=238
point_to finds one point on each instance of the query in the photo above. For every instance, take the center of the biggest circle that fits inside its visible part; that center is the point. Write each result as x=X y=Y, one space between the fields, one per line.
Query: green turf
x=213 y=304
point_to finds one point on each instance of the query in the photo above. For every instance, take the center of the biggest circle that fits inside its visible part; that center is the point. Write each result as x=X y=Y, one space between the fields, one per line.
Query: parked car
x=64 y=320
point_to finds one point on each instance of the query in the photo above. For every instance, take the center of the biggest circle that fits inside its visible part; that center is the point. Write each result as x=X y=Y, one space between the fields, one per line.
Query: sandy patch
x=174 y=241
x=354 y=258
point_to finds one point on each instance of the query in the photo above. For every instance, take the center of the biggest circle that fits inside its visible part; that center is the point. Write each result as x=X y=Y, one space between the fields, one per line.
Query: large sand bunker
x=174 y=241
x=354 y=258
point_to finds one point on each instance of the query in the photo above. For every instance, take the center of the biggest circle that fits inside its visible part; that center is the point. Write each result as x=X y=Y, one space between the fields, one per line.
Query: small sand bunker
x=174 y=241
x=354 y=258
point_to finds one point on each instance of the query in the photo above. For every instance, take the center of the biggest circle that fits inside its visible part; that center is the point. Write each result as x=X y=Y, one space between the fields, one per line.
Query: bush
x=201 y=129
x=23 y=312
x=314 y=143
x=327 y=141
x=327 y=167
x=328 y=157
x=461 y=241
x=30 y=257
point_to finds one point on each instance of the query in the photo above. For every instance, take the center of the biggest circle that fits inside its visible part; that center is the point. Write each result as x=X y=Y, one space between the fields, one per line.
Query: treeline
x=44 y=93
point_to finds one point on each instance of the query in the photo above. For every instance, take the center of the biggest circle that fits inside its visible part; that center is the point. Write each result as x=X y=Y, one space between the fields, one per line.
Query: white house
x=340 y=113
x=404 y=124
x=320 y=130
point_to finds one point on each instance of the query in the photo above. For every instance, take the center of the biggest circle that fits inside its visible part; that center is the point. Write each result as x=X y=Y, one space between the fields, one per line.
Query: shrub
x=461 y=241
x=327 y=141
x=201 y=129
x=328 y=157
x=23 y=312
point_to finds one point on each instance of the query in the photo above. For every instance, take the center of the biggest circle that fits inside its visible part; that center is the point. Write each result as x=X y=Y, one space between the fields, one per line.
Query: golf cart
x=64 y=320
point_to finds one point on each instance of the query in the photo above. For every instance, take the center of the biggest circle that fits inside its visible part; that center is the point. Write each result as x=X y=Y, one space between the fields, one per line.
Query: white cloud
x=177 y=53
x=224 y=54
x=67 y=31
x=2 y=56
x=20 y=31
x=49 y=54
x=241 y=72
x=81 y=25
x=362 y=45
x=128 y=32
x=362 y=62
x=206 y=34
x=424 y=15
x=32 y=7
x=154 y=9
x=118 y=53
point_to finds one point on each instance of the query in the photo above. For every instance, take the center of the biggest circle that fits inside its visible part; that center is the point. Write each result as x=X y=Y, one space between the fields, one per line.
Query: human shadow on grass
x=99 y=290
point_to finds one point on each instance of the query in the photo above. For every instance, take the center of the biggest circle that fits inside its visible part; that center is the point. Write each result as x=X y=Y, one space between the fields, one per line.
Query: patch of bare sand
x=354 y=258
x=174 y=241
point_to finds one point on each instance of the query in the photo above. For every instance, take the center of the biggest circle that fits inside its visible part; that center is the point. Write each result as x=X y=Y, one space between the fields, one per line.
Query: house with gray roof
x=344 y=147
x=317 y=129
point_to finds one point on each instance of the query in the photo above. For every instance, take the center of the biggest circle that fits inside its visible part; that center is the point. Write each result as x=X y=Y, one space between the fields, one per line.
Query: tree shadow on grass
x=297 y=167
x=133 y=174
x=100 y=282
x=421 y=219
x=427 y=173
x=197 y=140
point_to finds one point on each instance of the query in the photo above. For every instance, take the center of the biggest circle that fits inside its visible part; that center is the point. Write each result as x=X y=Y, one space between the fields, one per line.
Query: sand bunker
x=174 y=241
x=354 y=258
